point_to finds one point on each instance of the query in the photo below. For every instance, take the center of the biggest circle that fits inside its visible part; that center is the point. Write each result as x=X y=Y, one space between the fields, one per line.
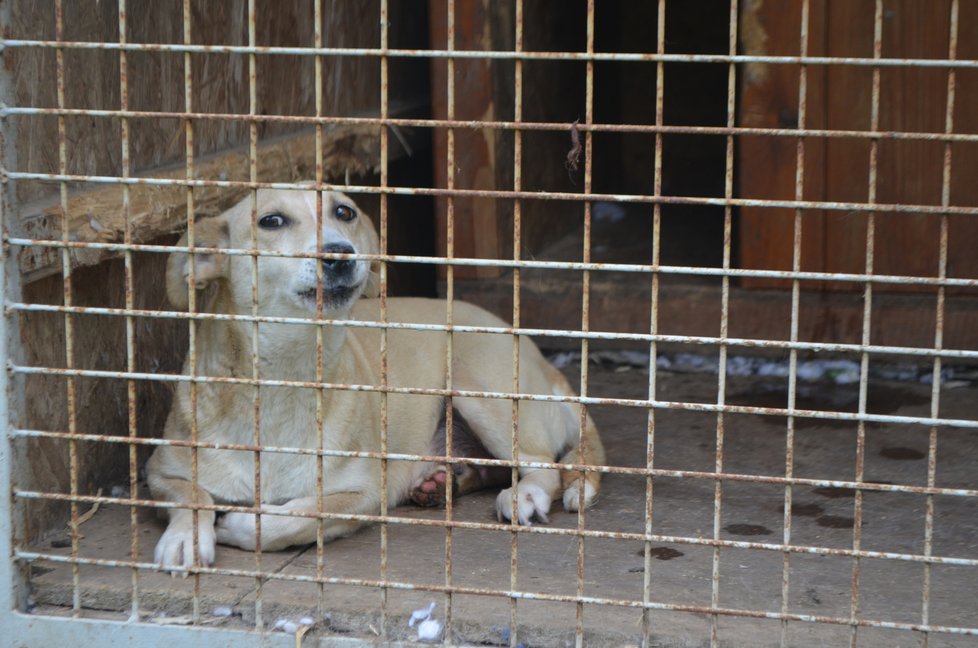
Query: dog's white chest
x=288 y=431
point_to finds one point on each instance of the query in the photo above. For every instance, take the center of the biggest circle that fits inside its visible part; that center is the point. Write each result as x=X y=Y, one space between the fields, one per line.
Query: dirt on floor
x=747 y=582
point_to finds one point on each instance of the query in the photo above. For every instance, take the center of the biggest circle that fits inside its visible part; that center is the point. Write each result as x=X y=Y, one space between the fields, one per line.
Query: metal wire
x=867 y=281
x=451 y=53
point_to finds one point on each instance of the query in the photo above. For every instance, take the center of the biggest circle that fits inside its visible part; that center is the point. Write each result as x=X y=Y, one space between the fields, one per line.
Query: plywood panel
x=912 y=99
x=767 y=166
x=286 y=85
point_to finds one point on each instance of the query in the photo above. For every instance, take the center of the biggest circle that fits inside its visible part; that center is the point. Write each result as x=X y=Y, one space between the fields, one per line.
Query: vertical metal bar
x=255 y=351
x=384 y=441
x=867 y=321
x=188 y=91
x=654 y=321
x=935 y=398
x=130 y=322
x=68 y=320
x=320 y=353
x=724 y=319
x=585 y=314
x=450 y=306
x=789 y=459
x=517 y=255
x=13 y=576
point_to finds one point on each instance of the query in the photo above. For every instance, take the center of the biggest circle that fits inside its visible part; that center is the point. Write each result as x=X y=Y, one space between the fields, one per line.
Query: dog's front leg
x=176 y=546
x=281 y=531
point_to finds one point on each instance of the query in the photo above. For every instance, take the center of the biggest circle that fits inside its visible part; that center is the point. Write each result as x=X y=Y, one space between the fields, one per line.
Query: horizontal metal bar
x=525 y=195
x=491 y=54
x=463 y=393
x=510 y=263
x=508 y=463
x=751 y=343
x=649 y=129
x=523 y=595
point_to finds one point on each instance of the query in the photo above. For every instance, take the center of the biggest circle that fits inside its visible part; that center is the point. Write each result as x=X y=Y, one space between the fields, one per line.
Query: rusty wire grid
x=518 y=591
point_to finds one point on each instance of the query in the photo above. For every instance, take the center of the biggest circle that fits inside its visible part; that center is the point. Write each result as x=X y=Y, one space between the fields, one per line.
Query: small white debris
x=292 y=627
x=775 y=369
x=421 y=615
x=563 y=359
x=739 y=366
x=119 y=491
x=222 y=611
x=96 y=226
x=163 y=619
x=429 y=630
x=608 y=212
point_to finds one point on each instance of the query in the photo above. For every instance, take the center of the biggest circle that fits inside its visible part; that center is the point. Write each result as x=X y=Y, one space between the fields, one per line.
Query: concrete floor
x=749 y=579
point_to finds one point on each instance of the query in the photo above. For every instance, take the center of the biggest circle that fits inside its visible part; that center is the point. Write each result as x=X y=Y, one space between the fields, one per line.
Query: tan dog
x=286 y=287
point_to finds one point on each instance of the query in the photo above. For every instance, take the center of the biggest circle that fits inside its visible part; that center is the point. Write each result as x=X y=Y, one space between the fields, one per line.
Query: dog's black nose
x=338 y=266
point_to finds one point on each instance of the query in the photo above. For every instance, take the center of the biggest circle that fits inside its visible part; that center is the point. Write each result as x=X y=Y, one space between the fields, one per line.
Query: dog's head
x=287 y=222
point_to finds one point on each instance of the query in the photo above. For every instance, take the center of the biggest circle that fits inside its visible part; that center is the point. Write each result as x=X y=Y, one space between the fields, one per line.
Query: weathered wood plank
x=912 y=99
x=621 y=302
x=99 y=215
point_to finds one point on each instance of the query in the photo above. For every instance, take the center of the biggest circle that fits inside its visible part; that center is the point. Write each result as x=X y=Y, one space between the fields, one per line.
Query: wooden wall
x=912 y=99
x=285 y=86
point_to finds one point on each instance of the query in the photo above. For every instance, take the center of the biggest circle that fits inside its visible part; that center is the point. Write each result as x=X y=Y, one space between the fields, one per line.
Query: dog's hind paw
x=572 y=496
x=430 y=490
x=532 y=501
x=176 y=547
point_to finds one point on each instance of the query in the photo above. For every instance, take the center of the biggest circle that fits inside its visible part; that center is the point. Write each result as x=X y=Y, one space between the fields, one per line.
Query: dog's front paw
x=176 y=546
x=531 y=501
x=237 y=530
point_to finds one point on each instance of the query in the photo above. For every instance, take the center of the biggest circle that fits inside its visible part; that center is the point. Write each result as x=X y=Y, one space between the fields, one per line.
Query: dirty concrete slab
x=749 y=579
x=108 y=536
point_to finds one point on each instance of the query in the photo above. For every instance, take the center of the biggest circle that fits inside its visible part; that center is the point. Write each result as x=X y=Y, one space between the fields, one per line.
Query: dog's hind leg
x=467 y=478
x=592 y=455
x=280 y=529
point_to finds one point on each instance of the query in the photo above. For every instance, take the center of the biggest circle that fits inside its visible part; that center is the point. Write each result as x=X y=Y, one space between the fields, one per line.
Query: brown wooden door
x=912 y=99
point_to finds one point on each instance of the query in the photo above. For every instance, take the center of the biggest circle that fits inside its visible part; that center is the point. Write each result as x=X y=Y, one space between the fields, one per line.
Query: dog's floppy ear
x=208 y=232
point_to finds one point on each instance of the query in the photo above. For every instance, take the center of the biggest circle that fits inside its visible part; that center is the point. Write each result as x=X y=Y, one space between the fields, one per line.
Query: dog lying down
x=286 y=287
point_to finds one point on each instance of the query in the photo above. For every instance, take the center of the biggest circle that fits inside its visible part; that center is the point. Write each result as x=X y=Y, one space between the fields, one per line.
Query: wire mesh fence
x=691 y=453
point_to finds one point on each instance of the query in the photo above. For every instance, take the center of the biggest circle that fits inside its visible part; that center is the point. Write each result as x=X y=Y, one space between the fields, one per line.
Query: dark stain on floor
x=834 y=521
x=662 y=553
x=834 y=491
x=881 y=399
x=804 y=510
x=747 y=529
x=902 y=454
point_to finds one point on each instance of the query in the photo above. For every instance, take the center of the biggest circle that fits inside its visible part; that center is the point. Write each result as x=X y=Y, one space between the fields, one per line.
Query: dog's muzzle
x=338 y=269
x=340 y=283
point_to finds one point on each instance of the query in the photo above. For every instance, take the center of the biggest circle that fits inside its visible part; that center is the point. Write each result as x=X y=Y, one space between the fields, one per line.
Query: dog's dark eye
x=272 y=221
x=345 y=213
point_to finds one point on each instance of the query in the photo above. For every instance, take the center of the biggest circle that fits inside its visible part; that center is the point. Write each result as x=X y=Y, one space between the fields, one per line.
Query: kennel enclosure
x=745 y=232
